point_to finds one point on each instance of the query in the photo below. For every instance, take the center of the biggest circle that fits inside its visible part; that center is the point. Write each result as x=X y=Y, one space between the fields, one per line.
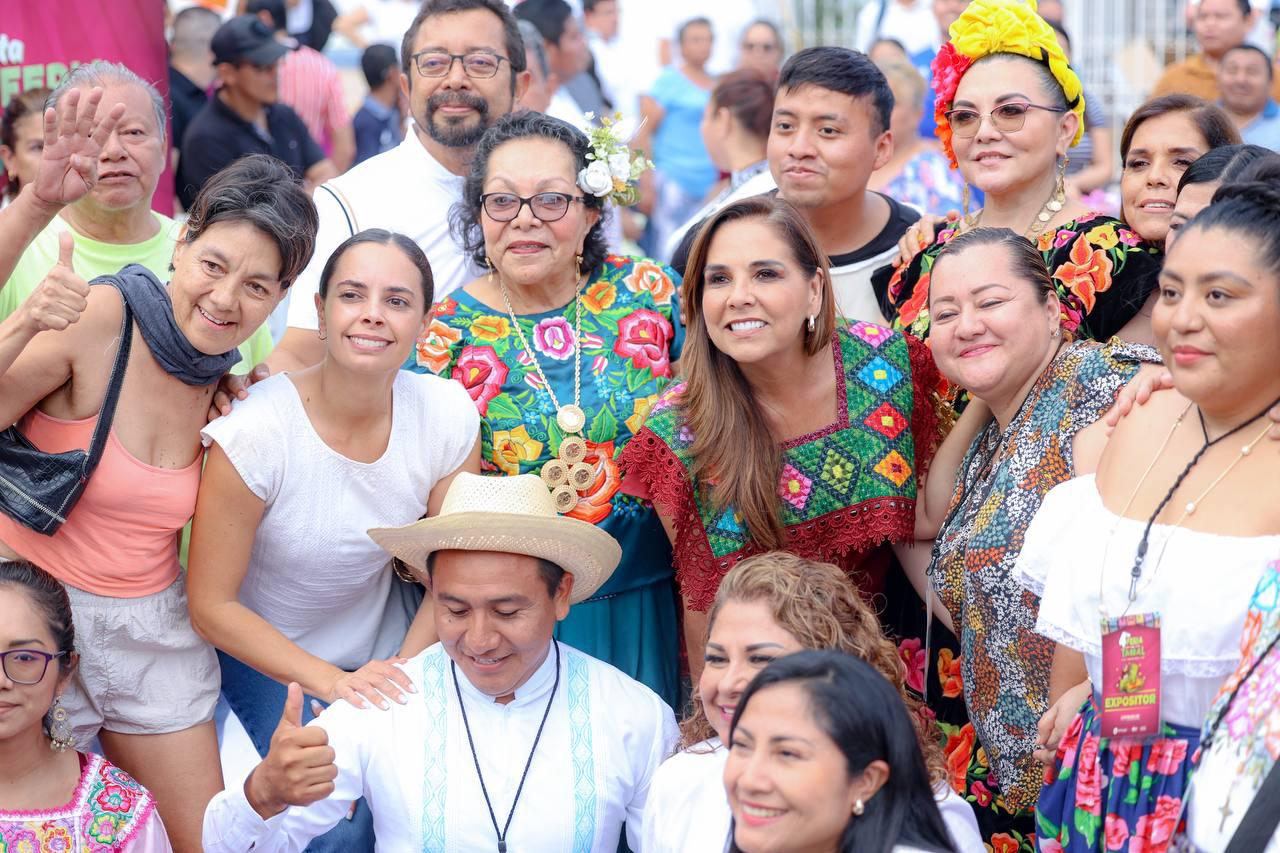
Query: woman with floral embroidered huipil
x=564 y=349
x=1008 y=108
x=1035 y=400
x=53 y=798
x=787 y=433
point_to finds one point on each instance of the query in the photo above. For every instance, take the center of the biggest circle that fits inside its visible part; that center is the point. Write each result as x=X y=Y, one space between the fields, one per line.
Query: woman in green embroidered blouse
x=788 y=432
x=560 y=323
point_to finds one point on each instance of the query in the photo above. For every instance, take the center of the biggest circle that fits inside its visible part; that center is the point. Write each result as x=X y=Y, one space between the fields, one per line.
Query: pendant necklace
x=568 y=475
x=1140 y=557
x=466 y=724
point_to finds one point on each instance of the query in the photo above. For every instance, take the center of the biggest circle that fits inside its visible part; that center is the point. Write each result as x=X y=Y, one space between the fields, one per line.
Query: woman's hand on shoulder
x=373 y=681
x=232 y=387
x=61 y=298
x=1150 y=379
x=74 y=135
x=921 y=234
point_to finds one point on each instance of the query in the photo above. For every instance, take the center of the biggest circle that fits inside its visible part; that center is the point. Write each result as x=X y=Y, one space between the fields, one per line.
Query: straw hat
x=510 y=515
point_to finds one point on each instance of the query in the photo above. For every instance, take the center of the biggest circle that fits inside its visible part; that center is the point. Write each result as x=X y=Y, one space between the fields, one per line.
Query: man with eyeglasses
x=243 y=117
x=463 y=67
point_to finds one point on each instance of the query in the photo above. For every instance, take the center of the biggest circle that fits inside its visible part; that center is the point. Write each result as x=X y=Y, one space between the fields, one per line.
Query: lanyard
x=502 y=833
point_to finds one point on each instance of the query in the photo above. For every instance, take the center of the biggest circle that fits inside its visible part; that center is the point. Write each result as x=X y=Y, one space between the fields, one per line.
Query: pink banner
x=41 y=41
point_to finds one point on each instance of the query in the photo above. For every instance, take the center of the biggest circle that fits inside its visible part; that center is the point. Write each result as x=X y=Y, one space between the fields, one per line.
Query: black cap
x=245 y=38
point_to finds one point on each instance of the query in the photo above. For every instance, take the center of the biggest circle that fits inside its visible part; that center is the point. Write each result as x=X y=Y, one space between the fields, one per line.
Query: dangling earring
x=813 y=324
x=489 y=266
x=965 y=200
x=858 y=807
x=578 y=260
x=60 y=739
x=1060 y=191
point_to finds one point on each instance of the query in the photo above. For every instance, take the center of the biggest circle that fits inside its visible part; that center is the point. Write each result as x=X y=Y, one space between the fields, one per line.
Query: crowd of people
x=783 y=458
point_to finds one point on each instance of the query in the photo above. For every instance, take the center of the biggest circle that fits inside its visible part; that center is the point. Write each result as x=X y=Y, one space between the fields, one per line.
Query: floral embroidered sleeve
x=1104 y=273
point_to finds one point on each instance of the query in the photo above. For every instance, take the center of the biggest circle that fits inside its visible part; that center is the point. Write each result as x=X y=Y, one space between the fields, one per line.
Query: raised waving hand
x=74 y=134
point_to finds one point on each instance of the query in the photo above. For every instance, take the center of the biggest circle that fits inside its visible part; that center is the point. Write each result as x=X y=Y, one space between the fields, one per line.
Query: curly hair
x=818 y=605
x=464 y=218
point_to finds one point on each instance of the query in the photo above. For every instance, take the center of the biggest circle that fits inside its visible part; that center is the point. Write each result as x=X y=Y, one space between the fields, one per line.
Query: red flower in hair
x=948 y=67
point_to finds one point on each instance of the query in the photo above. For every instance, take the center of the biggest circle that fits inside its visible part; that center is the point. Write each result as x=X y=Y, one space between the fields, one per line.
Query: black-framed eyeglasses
x=548 y=207
x=480 y=65
x=1005 y=118
x=26 y=666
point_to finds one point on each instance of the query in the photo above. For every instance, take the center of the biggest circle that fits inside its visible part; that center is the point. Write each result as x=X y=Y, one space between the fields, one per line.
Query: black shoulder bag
x=39 y=489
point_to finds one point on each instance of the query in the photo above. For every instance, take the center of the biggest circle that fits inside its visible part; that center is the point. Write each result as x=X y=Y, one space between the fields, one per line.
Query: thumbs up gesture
x=299 y=768
x=60 y=299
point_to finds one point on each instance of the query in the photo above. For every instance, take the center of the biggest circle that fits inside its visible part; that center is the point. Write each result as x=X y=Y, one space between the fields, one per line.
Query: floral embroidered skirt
x=1103 y=794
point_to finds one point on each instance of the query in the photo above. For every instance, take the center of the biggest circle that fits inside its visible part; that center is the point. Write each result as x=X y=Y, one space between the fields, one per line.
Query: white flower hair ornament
x=612 y=168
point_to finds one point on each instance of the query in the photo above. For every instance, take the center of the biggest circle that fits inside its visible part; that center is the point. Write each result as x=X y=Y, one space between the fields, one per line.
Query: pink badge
x=1131 y=676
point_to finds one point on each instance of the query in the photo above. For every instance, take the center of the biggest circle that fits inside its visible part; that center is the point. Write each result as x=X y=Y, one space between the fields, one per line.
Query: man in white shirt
x=830 y=132
x=463 y=65
x=509 y=738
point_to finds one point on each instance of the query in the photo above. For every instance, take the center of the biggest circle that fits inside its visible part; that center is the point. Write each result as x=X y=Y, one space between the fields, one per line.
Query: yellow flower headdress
x=1000 y=26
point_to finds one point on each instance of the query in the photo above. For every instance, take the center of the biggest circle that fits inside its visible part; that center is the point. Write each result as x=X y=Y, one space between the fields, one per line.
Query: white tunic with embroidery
x=604 y=738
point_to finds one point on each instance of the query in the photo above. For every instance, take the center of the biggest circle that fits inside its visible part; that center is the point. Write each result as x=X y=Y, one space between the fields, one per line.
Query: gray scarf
x=153 y=312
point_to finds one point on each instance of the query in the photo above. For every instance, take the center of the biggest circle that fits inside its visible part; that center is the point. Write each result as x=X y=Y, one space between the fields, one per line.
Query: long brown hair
x=818 y=605
x=732 y=445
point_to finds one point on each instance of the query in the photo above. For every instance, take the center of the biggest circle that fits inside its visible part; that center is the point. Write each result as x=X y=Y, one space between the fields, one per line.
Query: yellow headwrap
x=1000 y=26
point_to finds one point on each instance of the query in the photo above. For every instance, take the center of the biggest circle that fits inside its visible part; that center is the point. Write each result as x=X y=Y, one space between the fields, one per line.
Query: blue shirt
x=678 y=151
x=1265 y=129
x=923 y=62
x=377 y=127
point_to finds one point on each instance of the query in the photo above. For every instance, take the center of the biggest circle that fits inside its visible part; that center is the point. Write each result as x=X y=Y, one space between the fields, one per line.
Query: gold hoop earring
x=321 y=333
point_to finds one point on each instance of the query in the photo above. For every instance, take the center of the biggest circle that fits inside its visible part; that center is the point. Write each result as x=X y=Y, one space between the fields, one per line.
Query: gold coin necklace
x=568 y=475
x=1057 y=200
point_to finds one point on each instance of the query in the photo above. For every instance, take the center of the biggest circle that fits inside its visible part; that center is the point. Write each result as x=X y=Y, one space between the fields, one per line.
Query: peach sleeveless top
x=121 y=539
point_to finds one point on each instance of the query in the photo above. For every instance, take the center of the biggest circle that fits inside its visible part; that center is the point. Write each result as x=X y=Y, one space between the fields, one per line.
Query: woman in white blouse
x=1179 y=522
x=283 y=578
x=769 y=606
